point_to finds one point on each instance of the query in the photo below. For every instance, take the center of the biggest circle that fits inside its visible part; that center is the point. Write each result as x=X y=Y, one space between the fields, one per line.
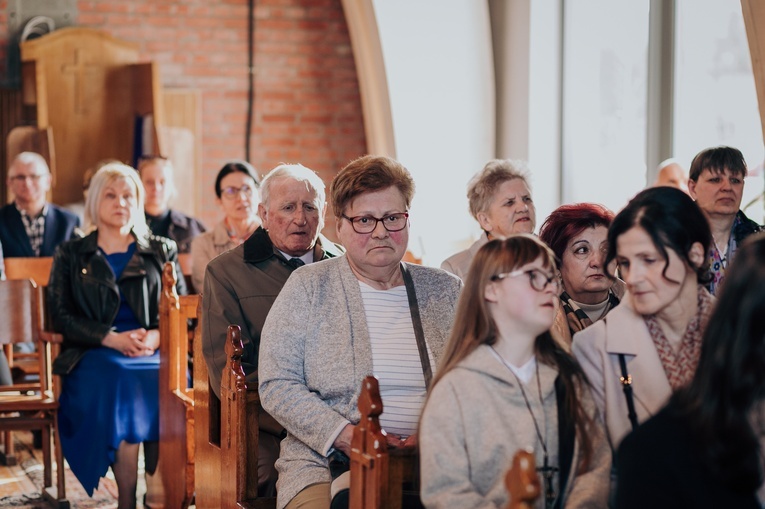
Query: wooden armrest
x=51 y=337
x=184 y=397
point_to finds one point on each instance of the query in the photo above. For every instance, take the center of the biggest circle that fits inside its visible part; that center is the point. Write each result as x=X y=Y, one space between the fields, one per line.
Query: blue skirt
x=107 y=398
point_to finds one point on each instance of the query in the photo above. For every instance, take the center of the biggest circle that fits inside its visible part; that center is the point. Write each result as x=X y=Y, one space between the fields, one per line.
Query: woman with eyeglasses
x=504 y=384
x=577 y=234
x=648 y=347
x=236 y=191
x=157 y=178
x=340 y=320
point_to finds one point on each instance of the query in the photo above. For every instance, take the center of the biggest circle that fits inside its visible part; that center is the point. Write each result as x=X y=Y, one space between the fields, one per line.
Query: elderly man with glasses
x=241 y=285
x=30 y=226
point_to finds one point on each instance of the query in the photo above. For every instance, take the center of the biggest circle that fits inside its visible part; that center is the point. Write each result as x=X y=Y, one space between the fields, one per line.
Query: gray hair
x=485 y=183
x=296 y=172
x=105 y=176
x=31 y=158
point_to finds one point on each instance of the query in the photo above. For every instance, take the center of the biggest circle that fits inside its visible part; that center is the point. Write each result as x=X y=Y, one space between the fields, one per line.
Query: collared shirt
x=35 y=227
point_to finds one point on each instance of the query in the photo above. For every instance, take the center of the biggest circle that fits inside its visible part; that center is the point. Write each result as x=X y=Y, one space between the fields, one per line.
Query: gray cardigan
x=315 y=351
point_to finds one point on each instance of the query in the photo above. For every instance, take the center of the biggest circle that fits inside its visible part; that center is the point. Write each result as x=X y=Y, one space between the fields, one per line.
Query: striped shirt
x=395 y=358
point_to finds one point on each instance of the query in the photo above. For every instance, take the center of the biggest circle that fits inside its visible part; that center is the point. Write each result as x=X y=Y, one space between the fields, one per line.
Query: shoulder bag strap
x=414 y=309
x=566 y=440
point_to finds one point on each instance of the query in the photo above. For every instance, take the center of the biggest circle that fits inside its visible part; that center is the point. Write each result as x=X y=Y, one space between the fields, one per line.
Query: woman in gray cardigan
x=339 y=320
x=505 y=385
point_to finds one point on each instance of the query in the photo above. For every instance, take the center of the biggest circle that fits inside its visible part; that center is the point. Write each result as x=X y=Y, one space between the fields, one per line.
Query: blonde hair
x=105 y=176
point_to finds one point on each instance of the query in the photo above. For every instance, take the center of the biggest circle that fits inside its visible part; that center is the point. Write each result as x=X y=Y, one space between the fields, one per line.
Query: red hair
x=568 y=221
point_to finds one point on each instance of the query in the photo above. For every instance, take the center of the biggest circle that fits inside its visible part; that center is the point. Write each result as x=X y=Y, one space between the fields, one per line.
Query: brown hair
x=366 y=174
x=474 y=325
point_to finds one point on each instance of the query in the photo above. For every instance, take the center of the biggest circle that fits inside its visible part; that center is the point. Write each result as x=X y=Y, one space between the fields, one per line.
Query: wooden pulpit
x=90 y=90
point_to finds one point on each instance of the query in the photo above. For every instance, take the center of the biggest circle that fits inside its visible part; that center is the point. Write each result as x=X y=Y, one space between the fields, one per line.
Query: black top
x=659 y=466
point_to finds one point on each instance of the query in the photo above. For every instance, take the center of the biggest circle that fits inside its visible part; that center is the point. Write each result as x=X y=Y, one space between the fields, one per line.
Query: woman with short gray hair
x=499 y=198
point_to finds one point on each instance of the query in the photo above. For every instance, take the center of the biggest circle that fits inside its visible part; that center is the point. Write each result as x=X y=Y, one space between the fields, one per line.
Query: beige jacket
x=204 y=248
x=597 y=349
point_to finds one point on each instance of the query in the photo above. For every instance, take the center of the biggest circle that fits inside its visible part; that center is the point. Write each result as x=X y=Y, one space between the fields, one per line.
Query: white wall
x=438 y=62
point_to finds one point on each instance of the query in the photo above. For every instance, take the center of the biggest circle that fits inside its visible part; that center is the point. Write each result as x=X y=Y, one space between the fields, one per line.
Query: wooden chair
x=176 y=399
x=32 y=406
x=377 y=475
x=25 y=365
x=37 y=269
x=522 y=481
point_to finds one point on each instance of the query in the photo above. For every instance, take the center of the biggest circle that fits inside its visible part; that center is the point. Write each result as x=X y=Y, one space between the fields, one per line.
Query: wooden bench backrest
x=522 y=481
x=240 y=406
x=377 y=474
x=37 y=269
x=176 y=399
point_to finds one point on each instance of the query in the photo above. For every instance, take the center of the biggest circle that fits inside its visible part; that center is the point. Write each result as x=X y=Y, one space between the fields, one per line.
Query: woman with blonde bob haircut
x=104 y=298
x=504 y=385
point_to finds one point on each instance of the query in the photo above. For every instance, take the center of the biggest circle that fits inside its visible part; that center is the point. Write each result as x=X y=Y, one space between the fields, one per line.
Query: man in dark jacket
x=241 y=285
x=30 y=226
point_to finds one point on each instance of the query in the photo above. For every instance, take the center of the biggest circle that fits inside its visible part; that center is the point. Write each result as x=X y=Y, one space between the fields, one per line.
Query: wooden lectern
x=91 y=98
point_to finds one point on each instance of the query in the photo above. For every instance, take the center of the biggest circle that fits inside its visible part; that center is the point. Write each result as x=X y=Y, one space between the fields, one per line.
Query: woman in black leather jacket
x=104 y=298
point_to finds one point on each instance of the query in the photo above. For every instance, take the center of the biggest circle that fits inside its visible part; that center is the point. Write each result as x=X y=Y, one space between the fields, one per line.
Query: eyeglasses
x=232 y=193
x=367 y=224
x=22 y=178
x=537 y=279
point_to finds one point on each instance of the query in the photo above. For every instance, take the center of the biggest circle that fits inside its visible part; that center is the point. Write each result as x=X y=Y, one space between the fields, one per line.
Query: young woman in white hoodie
x=504 y=385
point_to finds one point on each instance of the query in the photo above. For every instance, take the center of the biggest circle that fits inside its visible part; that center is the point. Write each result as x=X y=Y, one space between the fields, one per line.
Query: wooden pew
x=377 y=474
x=176 y=399
x=206 y=432
x=226 y=433
x=240 y=407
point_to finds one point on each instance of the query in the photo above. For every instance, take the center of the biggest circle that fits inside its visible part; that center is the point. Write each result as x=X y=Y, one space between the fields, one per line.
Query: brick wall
x=307 y=107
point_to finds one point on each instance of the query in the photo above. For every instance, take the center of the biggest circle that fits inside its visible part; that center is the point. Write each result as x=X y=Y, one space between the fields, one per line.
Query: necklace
x=722 y=254
x=546 y=470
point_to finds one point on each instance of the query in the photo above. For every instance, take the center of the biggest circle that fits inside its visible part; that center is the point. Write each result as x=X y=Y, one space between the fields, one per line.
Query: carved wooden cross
x=78 y=70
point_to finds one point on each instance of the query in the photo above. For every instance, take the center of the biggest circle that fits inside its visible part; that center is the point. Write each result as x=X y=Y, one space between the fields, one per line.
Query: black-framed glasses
x=537 y=278
x=367 y=224
x=232 y=192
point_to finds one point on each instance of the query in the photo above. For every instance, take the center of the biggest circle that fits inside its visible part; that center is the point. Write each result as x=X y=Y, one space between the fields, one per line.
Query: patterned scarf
x=576 y=317
x=681 y=366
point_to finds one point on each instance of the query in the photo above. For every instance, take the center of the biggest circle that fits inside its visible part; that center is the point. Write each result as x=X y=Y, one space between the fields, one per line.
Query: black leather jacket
x=83 y=296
